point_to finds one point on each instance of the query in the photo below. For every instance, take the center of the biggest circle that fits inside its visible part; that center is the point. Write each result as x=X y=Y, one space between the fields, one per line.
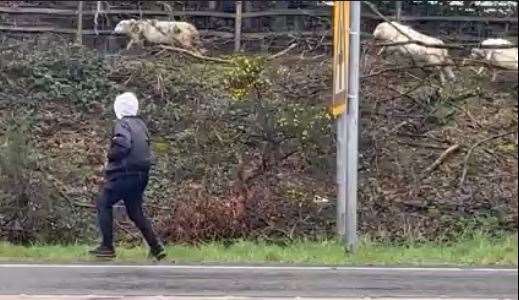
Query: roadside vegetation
x=471 y=250
x=246 y=152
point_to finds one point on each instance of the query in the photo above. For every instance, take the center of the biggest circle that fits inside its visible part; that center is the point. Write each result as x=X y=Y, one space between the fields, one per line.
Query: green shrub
x=31 y=208
x=65 y=73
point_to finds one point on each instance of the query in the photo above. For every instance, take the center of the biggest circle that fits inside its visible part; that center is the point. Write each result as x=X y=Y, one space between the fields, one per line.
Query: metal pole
x=340 y=86
x=352 y=127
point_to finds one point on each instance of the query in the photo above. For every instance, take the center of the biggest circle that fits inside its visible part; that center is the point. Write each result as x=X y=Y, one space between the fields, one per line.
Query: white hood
x=126 y=105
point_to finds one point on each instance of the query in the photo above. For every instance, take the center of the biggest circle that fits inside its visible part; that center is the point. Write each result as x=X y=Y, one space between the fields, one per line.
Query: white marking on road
x=95 y=297
x=275 y=268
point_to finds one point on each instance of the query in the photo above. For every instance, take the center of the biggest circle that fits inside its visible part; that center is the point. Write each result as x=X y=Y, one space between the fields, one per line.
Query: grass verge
x=477 y=250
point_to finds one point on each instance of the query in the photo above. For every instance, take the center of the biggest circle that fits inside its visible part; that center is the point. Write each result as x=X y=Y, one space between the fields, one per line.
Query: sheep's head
x=379 y=33
x=124 y=26
x=386 y=32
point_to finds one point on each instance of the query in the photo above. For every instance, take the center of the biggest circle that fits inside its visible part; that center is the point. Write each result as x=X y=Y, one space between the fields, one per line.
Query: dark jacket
x=130 y=148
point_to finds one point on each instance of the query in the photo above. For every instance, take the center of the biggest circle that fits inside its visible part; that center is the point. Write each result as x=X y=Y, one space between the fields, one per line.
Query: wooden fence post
x=212 y=5
x=96 y=16
x=398 y=12
x=237 y=26
x=79 y=32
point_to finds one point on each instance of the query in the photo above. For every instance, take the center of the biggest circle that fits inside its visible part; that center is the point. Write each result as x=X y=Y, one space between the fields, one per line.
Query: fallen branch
x=427 y=146
x=196 y=55
x=440 y=159
x=464 y=96
x=128 y=231
x=447 y=46
x=203 y=57
x=426 y=66
x=157 y=207
x=10 y=47
x=471 y=150
x=404 y=68
x=84 y=205
x=397 y=127
x=274 y=56
x=406 y=94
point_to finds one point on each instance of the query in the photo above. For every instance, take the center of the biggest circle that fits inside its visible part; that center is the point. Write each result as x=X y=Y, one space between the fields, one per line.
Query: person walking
x=127 y=169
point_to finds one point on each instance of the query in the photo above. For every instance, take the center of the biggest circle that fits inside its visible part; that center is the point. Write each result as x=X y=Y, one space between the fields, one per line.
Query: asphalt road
x=262 y=281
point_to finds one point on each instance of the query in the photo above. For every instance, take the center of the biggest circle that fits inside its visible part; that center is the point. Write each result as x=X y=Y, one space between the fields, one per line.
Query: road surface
x=252 y=281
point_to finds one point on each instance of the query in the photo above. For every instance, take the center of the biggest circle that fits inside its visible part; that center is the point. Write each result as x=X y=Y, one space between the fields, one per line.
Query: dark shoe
x=103 y=251
x=158 y=253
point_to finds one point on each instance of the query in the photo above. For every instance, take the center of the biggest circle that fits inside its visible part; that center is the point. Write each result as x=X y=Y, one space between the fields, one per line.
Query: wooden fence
x=65 y=21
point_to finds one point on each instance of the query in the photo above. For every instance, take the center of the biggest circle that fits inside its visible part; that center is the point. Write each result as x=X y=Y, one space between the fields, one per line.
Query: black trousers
x=130 y=189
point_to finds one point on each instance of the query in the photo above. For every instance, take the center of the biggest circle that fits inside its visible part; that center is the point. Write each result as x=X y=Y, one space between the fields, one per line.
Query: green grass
x=478 y=250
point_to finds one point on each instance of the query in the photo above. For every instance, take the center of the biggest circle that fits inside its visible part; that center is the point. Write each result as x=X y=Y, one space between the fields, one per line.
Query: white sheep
x=392 y=33
x=160 y=32
x=505 y=58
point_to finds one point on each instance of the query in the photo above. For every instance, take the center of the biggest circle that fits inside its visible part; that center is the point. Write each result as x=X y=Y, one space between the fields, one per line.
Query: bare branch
x=220 y=60
x=448 y=46
x=471 y=150
x=425 y=66
x=440 y=159
x=283 y=52
x=10 y=47
x=196 y=55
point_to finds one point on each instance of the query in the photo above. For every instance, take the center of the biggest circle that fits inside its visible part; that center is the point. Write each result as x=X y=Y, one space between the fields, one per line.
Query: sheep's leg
x=450 y=73
x=442 y=76
x=381 y=50
x=175 y=42
x=488 y=58
x=494 y=75
x=197 y=41
x=130 y=43
x=190 y=45
x=473 y=69
x=135 y=38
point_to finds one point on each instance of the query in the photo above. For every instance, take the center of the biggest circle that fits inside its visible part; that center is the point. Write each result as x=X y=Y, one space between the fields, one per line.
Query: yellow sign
x=341 y=28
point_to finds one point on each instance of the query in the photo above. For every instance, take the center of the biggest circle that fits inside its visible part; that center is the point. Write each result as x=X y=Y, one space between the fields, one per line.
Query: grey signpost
x=348 y=128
